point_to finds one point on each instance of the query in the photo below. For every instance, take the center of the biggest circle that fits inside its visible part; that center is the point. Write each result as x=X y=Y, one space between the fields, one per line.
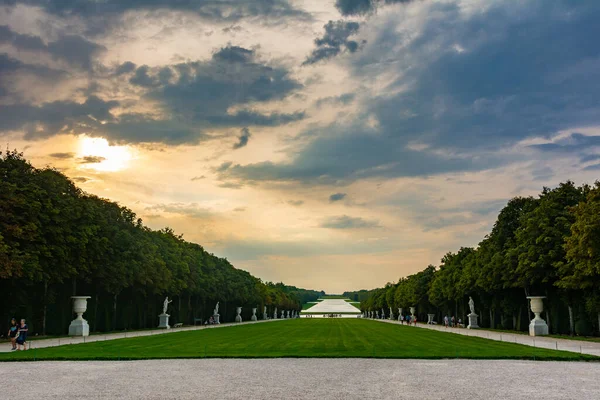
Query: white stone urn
x=238 y=317
x=79 y=326
x=412 y=311
x=537 y=326
x=253 y=318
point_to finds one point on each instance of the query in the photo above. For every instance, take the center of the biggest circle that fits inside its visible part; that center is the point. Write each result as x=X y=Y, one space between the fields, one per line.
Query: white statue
x=275 y=313
x=216 y=310
x=166 y=304
x=471 y=305
x=253 y=318
x=265 y=312
x=282 y=314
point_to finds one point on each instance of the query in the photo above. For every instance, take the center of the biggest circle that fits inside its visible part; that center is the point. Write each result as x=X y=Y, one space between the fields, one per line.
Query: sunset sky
x=328 y=144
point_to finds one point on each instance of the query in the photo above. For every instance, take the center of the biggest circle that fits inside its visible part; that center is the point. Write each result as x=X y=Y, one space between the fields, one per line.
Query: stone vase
x=537 y=326
x=79 y=326
x=412 y=311
x=238 y=317
x=430 y=318
x=253 y=318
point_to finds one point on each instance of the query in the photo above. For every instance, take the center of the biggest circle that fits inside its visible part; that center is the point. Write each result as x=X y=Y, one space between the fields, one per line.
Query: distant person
x=453 y=323
x=460 y=323
x=12 y=333
x=414 y=320
x=446 y=321
x=22 y=335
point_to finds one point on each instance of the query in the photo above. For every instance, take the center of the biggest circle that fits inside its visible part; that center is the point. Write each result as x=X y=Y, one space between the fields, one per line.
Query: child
x=12 y=333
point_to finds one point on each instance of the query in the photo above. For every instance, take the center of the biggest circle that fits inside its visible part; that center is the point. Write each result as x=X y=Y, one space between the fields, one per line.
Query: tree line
x=545 y=246
x=57 y=241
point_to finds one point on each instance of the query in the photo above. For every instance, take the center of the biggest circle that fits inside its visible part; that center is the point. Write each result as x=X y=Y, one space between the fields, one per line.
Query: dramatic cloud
x=243 y=139
x=346 y=222
x=334 y=41
x=470 y=95
x=337 y=197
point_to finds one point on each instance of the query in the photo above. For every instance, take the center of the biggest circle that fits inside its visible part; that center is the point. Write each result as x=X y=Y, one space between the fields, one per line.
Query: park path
x=41 y=343
x=576 y=346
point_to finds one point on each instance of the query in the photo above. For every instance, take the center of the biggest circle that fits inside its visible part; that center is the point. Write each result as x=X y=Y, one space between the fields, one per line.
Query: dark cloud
x=195 y=97
x=361 y=7
x=125 y=68
x=75 y=50
x=91 y=160
x=243 y=139
x=101 y=15
x=56 y=117
x=576 y=142
x=334 y=41
x=343 y=99
x=337 y=197
x=80 y=179
x=231 y=185
x=197 y=178
x=223 y=167
x=346 y=222
x=62 y=156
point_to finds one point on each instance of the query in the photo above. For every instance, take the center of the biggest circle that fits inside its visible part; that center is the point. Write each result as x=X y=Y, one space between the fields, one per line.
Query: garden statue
x=166 y=304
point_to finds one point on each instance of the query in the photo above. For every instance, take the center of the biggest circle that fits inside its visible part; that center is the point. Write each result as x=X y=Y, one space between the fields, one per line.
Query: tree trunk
x=45 y=311
x=115 y=313
x=571 y=325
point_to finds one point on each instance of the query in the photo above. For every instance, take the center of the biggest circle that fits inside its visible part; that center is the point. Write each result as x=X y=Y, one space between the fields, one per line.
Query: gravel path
x=301 y=379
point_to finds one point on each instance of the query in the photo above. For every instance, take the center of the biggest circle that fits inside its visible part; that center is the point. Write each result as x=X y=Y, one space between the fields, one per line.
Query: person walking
x=446 y=321
x=12 y=333
x=22 y=335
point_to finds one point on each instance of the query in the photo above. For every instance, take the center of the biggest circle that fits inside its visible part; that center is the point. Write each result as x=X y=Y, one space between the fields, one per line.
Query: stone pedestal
x=79 y=326
x=163 y=321
x=216 y=319
x=472 y=321
x=537 y=326
x=430 y=318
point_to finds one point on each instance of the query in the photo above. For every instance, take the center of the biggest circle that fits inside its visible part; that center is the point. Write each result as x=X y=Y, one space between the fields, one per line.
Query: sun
x=98 y=154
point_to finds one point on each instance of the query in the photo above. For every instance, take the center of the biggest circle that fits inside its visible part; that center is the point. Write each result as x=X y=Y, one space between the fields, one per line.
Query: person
x=460 y=323
x=453 y=322
x=12 y=333
x=446 y=321
x=22 y=335
x=414 y=319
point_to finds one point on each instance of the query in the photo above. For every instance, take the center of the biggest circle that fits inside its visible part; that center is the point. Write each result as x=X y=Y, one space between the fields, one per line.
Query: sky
x=329 y=144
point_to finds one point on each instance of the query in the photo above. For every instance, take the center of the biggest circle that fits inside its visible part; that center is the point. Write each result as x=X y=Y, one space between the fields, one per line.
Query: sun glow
x=98 y=154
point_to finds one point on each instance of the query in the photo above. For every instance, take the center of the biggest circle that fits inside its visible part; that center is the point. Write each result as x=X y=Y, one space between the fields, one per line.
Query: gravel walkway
x=301 y=379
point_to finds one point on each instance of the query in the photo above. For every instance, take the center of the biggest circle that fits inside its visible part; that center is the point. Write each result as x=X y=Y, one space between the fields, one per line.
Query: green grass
x=306 y=306
x=299 y=338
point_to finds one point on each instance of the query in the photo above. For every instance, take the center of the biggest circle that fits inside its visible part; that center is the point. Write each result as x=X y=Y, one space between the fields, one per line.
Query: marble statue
x=253 y=318
x=391 y=313
x=382 y=314
x=472 y=317
x=377 y=314
x=238 y=317
x=282 y=314
x=166 y=304
x=471 y=305
x=275 y=313
x=288 y=314
x=265 y=316
x=216 y=314
x=399 y=314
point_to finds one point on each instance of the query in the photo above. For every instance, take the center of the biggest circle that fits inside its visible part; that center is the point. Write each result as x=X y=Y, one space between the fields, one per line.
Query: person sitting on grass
x=22 y=335
x=12 y=333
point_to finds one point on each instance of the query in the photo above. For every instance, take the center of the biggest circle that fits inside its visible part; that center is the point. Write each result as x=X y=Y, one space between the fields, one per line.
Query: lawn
x=299 y=338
